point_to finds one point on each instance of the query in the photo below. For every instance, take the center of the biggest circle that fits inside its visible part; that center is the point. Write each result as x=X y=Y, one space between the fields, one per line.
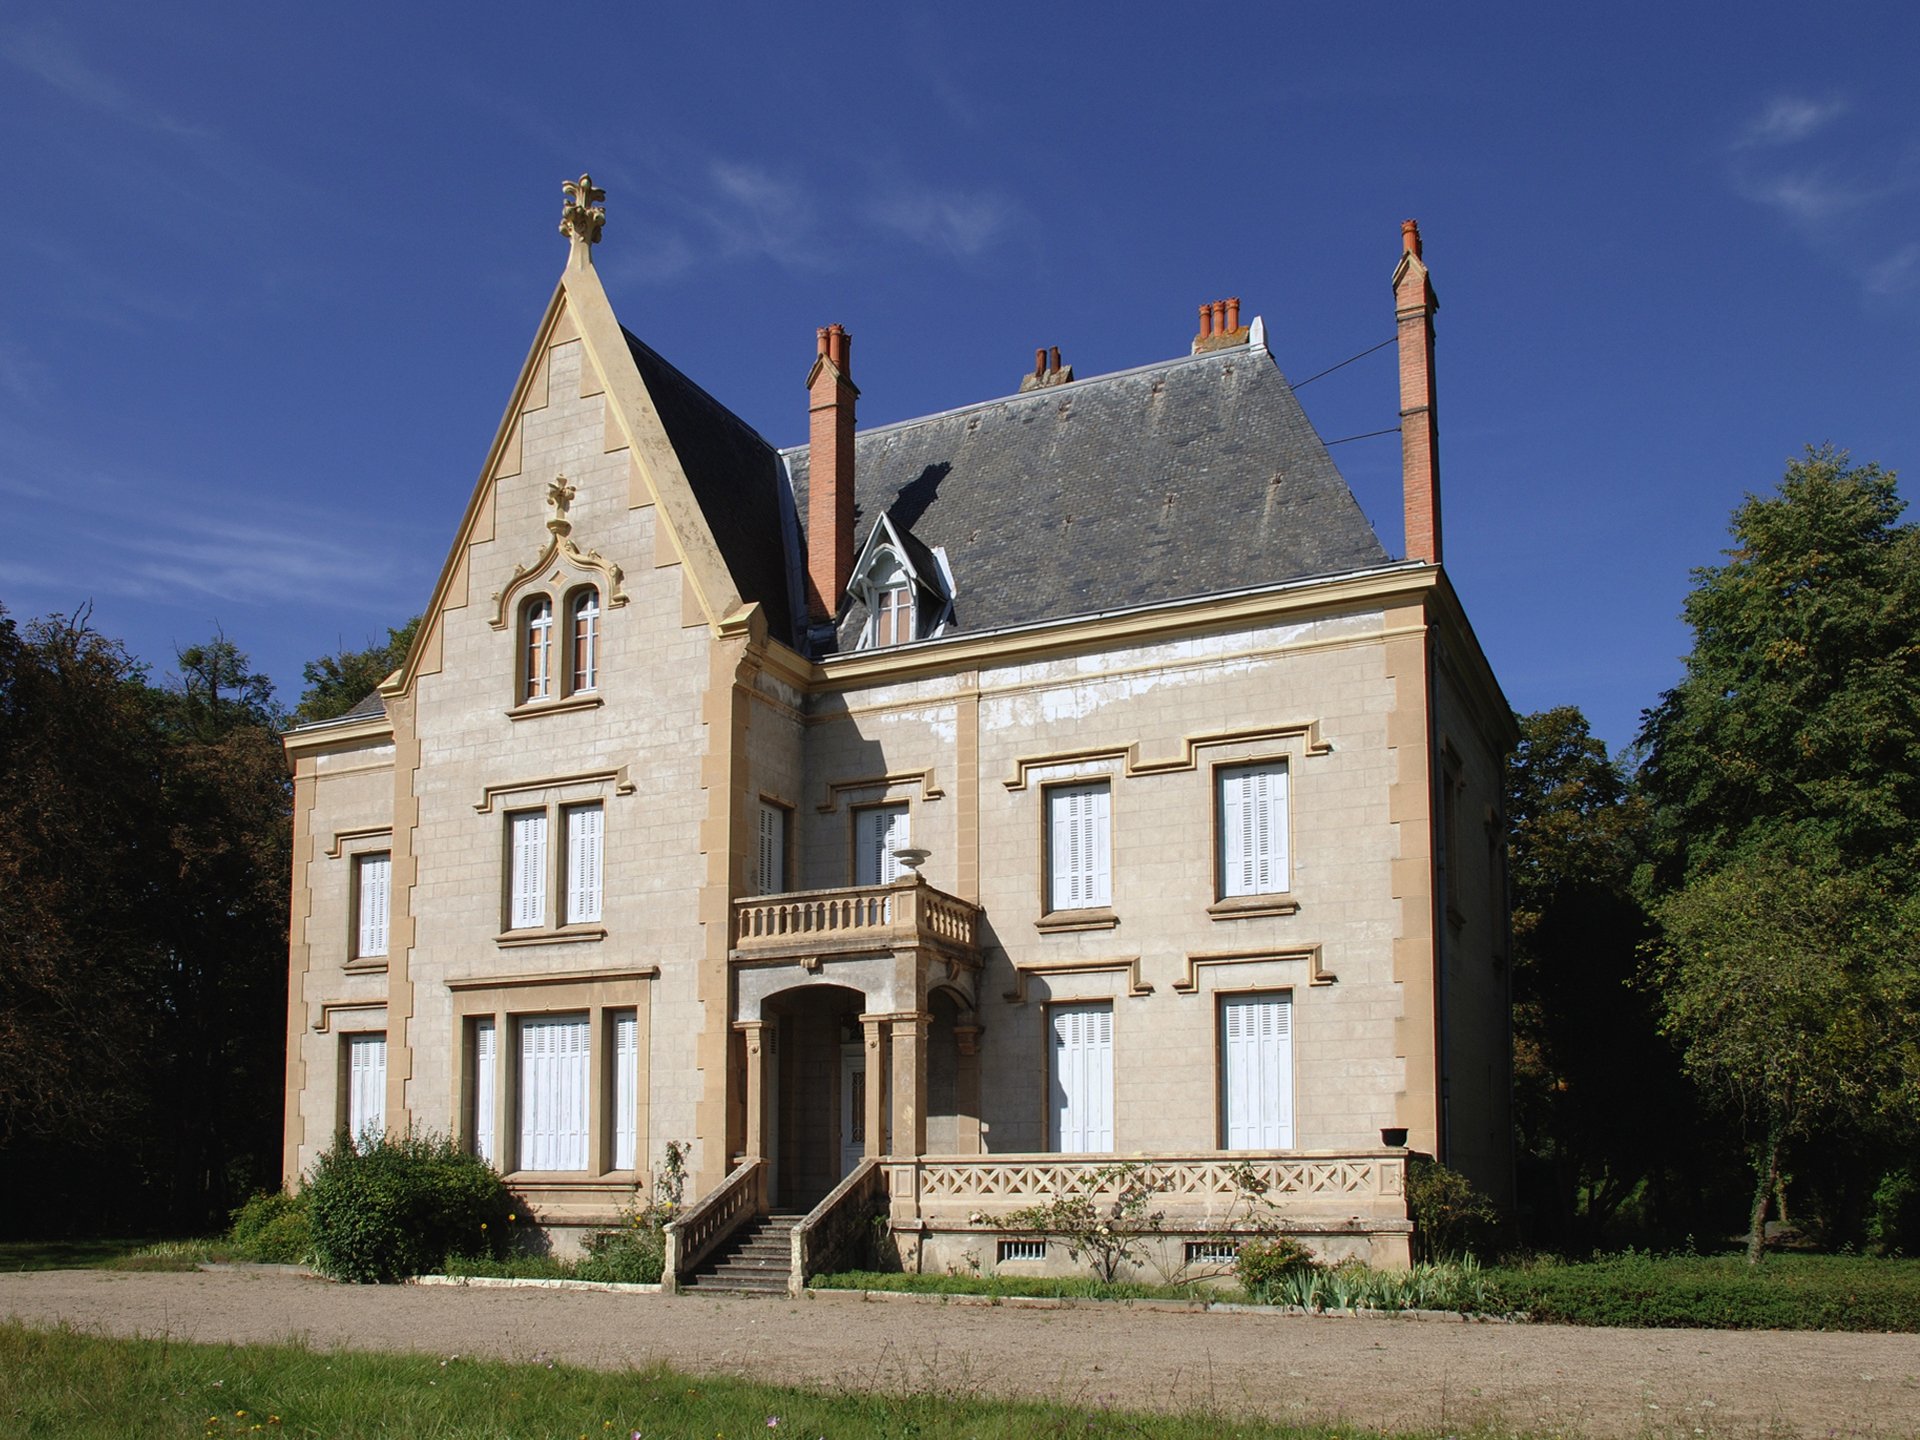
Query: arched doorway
x=820 y=1093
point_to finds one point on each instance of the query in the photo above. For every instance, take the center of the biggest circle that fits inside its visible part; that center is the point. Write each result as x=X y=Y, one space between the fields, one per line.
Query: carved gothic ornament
x=561 y=550
x=582 y=217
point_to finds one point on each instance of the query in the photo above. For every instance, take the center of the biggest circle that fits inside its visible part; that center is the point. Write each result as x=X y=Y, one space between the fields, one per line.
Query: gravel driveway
x=1389 y=1373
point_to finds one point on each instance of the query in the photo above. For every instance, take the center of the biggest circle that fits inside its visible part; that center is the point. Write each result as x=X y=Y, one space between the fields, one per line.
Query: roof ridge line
x=1046 y=392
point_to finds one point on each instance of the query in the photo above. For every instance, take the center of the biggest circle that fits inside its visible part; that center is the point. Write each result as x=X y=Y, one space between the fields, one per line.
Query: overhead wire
x=1346 y=362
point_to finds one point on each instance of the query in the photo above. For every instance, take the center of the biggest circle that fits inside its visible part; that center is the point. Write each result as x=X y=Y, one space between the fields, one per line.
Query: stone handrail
x=906 y=912
x=710 y=1220
x=1205 y=1185
x=826 y=1239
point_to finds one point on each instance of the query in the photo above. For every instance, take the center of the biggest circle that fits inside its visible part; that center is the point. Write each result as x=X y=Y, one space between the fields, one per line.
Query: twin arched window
x=579 y=661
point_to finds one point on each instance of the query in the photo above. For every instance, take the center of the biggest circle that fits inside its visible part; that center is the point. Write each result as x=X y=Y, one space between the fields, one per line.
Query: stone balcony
x=811 y=925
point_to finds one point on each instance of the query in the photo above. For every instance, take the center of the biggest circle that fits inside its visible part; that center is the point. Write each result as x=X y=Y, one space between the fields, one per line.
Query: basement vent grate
x=1212 y=1252
x=1022 y=1250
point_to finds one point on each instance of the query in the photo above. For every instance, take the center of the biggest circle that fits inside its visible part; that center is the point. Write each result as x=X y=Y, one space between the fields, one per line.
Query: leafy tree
x=1785 y=772
x=336 y=683
x=1593 y=1079
x=143 y=894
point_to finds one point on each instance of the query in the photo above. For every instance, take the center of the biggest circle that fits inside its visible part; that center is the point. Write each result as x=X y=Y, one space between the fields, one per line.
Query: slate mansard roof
x=1196 y=476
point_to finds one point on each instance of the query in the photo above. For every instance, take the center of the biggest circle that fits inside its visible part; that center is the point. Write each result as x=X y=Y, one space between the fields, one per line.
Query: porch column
x=966 y=1123
x=755 y=1032
x=874 y=1033
x=910 y=1082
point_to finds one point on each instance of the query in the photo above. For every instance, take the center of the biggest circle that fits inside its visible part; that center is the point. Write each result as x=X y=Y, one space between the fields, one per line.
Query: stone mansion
x=921 y=819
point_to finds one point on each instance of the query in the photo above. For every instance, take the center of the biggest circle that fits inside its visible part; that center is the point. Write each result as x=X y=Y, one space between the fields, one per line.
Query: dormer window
x=537 y=664
x=584 y=645
x=906 y=587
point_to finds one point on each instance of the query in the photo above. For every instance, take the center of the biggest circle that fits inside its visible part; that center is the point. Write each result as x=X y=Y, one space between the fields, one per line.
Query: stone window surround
x=351 y=845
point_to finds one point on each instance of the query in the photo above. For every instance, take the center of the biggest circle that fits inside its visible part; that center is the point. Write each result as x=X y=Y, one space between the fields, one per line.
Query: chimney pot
x=1410 y=237
x=821 y=334
x=1055 y=356
x=1233 y=313
x=1039 y=360
x=1219 y=317
x=1206 y=321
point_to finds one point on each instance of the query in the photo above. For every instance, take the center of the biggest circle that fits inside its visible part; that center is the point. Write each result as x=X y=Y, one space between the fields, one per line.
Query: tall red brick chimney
x=830 y=397
x=1414 y=306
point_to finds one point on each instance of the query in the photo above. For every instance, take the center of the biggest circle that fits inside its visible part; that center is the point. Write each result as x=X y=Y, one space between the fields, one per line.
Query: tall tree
x=1593 y=1078
x=1785 y=771
x=338 y=682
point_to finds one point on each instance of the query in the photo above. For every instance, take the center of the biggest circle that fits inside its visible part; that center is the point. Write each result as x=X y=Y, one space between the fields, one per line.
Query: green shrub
x=1894 y=1224
x=395 y=1206
x=634 y=1254
x=1265 y=1262
x=1449 y=1216
x=1788 y=1292
x=272 y=1228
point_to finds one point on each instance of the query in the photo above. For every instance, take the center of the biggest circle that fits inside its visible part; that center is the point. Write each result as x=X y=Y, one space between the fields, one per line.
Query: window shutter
x=553 y=1093
x=366 y=1086
x=375 y=875
x=485 y=1061
x=773 y=849
x=1257 y=1052
x=1082 y=1079
x=586 y=851
x=1253 y=830
x=626 y=1062
x=529 y=858
x=1081 y=840
x=882 y=831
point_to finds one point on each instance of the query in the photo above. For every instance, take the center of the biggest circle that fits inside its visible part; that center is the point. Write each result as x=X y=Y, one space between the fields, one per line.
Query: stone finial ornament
x=582 y=217
x=560 y=495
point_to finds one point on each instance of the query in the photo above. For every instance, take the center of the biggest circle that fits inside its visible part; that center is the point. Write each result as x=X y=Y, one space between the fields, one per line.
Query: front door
x=853 y=1107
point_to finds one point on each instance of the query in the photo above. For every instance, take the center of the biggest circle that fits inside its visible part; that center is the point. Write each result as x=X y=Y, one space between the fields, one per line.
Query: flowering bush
x=635 y=1251
x=384 y=1209
x=1110 y=1236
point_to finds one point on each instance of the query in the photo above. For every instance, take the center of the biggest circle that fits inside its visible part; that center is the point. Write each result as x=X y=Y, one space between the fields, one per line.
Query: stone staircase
x=755 y=1260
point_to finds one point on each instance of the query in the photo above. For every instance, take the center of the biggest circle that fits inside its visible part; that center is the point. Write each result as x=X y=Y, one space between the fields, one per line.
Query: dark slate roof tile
x=1192 y=477
x=736 y=478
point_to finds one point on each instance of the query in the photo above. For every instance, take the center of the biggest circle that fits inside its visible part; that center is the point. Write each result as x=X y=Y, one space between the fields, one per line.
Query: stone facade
x=809 y=1033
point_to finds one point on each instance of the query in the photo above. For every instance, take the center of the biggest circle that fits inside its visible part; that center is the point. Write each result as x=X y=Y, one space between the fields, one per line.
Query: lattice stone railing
x=1204 y=1188
x=907 y=912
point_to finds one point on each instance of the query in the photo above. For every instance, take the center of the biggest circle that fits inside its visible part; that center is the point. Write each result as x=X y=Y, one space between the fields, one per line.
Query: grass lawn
x=109 y=1254
x=58 y=1383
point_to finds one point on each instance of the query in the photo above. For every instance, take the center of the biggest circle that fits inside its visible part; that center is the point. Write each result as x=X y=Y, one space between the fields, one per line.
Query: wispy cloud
x=1843 y=200
x=47 y=55
x=959 y=223
x=1787 y=119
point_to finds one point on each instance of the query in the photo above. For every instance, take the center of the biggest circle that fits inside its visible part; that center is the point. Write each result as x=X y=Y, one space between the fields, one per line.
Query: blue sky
x=271 y=270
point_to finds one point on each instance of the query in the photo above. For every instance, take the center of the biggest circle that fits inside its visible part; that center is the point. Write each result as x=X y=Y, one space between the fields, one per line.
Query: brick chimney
x=1414 y=305
x=830 y=397
x=1046 y=371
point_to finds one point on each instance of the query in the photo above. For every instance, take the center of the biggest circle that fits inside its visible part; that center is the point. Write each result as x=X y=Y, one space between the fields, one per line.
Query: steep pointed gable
x=1197 y=476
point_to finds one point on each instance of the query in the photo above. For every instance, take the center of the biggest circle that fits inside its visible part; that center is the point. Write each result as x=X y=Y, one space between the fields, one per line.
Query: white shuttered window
x=554 y=1075
x=1256 y=1052
x=1081 y=1079
x=586 y=848
x=366 y=1085
x=372 y=884
x=1080 y=847
x=486 y=1070
x=773 y=849
x=880 y=832
x=527 y=859
x=1253 y=830
x=626 y=1062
